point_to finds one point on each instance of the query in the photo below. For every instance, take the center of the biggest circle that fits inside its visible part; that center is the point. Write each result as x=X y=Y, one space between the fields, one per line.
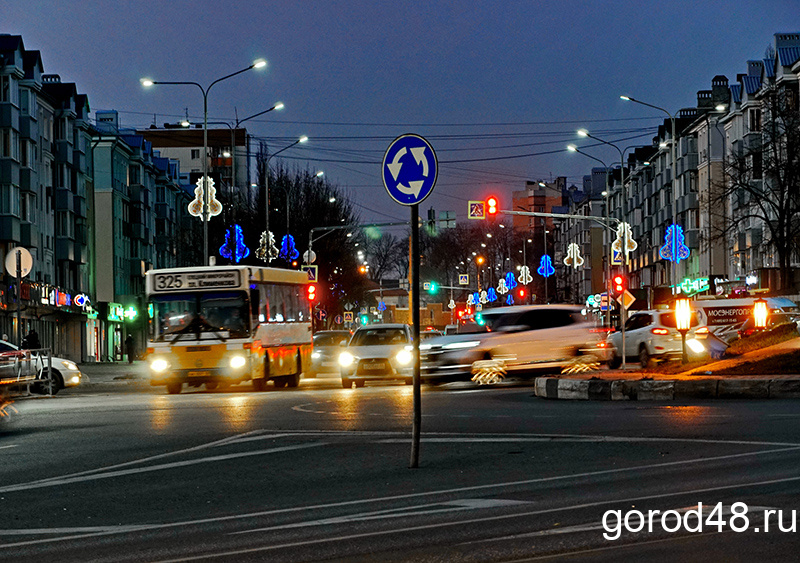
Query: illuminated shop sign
x=115 y=312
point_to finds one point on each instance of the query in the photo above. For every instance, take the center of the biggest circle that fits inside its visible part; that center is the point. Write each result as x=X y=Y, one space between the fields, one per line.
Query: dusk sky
x=498 y=88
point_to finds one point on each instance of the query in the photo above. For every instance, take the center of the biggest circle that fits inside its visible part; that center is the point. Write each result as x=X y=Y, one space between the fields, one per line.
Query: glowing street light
x=683 y=320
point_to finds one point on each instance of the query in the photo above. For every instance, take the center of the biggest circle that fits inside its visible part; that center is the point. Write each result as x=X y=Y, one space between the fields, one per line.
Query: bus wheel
x=280 y=382
x=211 y=385
x=259 y=384
x=294 y=379
x=174 y=387
x=360 y=382
x=346 y=383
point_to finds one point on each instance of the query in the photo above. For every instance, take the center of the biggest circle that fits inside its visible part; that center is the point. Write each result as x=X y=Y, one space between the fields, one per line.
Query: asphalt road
x=122 y=472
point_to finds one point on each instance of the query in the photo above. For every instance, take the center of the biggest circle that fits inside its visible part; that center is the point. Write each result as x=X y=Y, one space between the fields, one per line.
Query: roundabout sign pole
x=409 y=172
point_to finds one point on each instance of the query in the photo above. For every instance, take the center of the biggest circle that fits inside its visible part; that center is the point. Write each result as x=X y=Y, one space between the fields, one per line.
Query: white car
x=525 y=339
x=65 y=373
x=377 y=352
x=652 y=335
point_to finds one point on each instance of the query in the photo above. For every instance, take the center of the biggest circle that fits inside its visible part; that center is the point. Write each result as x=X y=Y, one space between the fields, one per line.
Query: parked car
x=527 y=339
x=773 y=320
x=653 y=336
x=65 y=373
x=377 y=352
x=327 y=346
x=430 y=333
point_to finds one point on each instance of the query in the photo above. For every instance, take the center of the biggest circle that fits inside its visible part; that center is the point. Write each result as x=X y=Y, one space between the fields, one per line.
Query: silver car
x=377 y=352
x=327 y=346
x=65 y=373
x=652 y=336
x=521 y=340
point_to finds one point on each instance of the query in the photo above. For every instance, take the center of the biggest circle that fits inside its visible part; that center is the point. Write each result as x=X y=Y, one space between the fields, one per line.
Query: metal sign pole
x=19 y=297
x=415 y=427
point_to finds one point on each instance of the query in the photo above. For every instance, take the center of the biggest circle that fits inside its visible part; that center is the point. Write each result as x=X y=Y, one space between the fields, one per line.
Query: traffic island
x=665 y=389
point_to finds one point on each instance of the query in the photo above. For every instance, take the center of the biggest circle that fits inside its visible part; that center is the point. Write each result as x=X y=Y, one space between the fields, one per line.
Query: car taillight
x=702 y=330
x=661 y=331
x=246 y=345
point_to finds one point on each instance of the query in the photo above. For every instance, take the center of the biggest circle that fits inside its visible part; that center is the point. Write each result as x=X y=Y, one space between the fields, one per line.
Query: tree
x=761 y=186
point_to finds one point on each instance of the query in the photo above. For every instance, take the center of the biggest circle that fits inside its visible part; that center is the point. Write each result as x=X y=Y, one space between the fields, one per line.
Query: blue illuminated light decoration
x=674 y=248
x=476 y=298
x=511 y=281
x=234 y=248
x=491 y=295
x=288 y=251
x=510 y=299
x=546 y=266
x=381 y=306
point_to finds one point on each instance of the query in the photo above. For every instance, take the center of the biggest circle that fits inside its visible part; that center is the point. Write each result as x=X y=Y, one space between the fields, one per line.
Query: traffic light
x=364 y=319
x=311 y=292
x=618 y=284
x=491 y=206
x=433 y=288
x=521 y=293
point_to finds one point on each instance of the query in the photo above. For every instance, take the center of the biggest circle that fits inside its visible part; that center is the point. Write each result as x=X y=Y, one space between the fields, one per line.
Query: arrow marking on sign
x=413 y=187
x=395 y=166
x=419 y=156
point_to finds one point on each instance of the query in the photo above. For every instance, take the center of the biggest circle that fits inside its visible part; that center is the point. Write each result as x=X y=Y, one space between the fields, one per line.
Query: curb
x=665 y=390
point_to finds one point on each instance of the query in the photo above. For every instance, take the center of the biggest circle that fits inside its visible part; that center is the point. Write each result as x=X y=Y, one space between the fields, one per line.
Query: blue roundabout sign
x=409 y=169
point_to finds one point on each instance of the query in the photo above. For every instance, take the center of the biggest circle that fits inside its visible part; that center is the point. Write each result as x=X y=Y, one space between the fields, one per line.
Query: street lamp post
x=673 y=155
x=263 y=250
x=683 y=319
x=278 y=106
x=261 y=63
x=573 y=148
x=622 y=309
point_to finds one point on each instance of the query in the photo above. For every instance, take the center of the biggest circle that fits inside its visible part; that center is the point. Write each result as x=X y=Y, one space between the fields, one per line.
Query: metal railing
x=22 y=371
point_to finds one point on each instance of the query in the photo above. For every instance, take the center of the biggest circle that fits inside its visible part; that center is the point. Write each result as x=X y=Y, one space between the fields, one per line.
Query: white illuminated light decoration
x=574 y=257
x=196 y=206
x=624 y=229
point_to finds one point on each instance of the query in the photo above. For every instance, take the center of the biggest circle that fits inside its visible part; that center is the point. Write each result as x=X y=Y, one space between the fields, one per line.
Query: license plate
x=374 y=366
x=199 y=373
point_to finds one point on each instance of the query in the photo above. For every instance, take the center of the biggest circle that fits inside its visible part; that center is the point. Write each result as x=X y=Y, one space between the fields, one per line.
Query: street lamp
x=674 y=182
x=574 y=148
x=622 y=309
x=264 y=250
x=683 y=320
x=760 y=313
x=147 y=82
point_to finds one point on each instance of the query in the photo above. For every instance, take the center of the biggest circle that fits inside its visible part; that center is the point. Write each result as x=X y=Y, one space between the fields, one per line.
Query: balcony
x=692 y=238
x=687 y=163
x=28 y=128
x=29 y=234
x=9 y=171
x=9 y=228
x=65 y=249
x=9 y=116
x=688 y=201
x=79 y=206
x=63 y=151
x=64 y=200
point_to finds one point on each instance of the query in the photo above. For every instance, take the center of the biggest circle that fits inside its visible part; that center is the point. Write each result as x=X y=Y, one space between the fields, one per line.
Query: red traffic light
x=521 y=293
x=311 y=291
x=491 y=205
x=618 y=284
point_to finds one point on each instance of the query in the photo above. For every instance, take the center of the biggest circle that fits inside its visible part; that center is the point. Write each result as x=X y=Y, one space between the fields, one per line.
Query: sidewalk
x=699 y=383
x=117 y=371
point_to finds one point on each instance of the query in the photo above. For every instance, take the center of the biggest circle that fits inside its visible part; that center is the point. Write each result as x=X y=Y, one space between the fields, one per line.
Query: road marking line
x=482 y=520
x=9 y=446
x=79 y=479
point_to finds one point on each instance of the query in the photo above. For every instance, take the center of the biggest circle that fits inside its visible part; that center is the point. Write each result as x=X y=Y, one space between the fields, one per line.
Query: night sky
x=497 y=87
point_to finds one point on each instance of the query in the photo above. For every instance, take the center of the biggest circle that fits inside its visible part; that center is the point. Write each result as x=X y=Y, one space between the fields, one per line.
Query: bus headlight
x=315 y=355
x=404 y=357
x=238 y=361
x=346 y=359
x=159 y=365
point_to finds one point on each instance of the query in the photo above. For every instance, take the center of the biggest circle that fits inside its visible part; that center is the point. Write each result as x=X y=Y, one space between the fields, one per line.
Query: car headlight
x=75 y=379
x=457 y=345
x=404 y=357
x=159 y=365
x=70 y=365
x=696 y=346
x=238 y=361
x=315 y=355
x=346 y=359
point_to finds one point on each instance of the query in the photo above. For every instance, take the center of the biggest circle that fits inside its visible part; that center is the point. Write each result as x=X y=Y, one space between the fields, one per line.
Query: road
x=123 y=472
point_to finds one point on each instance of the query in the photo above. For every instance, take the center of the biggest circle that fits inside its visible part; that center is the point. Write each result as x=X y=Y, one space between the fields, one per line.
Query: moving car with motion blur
x=327 y=344
x=378 y=352
x=524 y=340
x=64 y=373
x=653 y=336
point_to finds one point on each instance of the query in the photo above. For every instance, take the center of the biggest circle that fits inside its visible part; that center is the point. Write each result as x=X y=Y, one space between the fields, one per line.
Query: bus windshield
x=225 y=312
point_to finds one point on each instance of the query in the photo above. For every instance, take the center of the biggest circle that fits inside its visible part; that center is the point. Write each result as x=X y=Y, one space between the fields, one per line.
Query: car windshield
x=668 y=320
x=226 y=312
x=379 y=337
x=329 y=339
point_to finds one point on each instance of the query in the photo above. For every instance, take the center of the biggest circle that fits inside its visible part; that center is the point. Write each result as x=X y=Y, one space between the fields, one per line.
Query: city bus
x=221 y=325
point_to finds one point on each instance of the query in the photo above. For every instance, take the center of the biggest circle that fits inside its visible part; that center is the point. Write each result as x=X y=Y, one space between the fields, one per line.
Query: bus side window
x=255 y=299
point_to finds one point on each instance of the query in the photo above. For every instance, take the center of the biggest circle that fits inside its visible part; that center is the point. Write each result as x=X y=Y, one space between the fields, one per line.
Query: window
x=195 y=154
x=755 y=119
x=9 y=199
